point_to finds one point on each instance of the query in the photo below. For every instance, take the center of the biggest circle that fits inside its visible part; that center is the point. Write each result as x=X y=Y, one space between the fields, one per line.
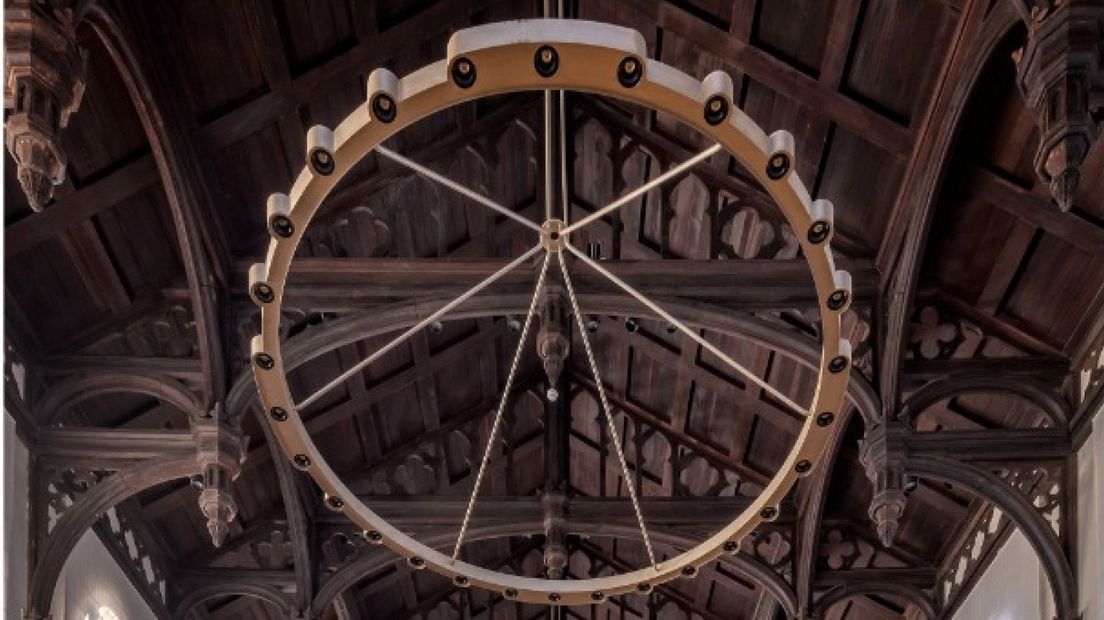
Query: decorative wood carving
x=988 y=527
x=936 y=334
x=1060 y=73
x=1089 y=379
x=220 y=451
x=64 y=487
x=169 y=331
x=118 y=526
x=1023 y=512
x=44 y=71
x=774 y=548
x=881 y=454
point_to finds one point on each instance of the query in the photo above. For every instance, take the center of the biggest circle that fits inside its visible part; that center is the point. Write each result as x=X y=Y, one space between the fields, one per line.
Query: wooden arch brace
x=1019 y=510
x=212 y=444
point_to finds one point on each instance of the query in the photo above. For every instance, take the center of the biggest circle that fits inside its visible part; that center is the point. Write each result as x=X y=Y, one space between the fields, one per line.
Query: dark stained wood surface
x=1008 y=283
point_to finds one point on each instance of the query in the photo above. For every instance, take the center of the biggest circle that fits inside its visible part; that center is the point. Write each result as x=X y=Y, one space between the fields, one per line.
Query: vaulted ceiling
x=138 y=268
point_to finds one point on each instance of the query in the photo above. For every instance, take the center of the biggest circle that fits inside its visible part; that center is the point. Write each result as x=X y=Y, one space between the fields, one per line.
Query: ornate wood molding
x=44 y=70
x=1020 y=510
x=66 y=506
x=1060 y=72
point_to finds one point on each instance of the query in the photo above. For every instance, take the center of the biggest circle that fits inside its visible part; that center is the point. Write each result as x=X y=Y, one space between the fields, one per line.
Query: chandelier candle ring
x=551 y=55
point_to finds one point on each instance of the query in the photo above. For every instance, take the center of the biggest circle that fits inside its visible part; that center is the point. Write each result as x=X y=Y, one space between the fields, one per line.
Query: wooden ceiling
x=98 y=283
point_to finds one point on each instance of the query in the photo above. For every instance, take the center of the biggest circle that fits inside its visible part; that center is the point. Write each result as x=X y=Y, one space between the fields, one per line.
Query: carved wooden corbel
x=882 y=453
x=45 y=71
x=221 y=451
x=1061 y=75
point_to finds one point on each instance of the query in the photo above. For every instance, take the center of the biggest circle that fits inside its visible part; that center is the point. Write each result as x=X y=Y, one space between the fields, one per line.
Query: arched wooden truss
x=938 y=458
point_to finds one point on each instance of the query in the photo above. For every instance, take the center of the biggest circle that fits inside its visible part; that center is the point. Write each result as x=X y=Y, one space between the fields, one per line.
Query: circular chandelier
x=545 y=55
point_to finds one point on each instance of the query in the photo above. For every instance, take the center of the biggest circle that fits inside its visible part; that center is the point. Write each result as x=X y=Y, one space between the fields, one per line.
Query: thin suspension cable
x=770 y=389
x=563 y=151
x=466 y=295
x=456 y=187
x=563 y=139
x=615 y=439
x=643 y=189
x=549 y=171
x=501 y=407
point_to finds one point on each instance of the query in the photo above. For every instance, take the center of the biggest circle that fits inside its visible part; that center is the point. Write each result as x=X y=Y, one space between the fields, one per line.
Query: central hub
x=552 y=237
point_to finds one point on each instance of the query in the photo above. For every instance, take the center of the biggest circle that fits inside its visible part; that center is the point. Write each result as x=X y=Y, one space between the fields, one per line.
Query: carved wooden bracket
x=221 y=452
x=45 y=71
x=1061 y=75
x=881 y=454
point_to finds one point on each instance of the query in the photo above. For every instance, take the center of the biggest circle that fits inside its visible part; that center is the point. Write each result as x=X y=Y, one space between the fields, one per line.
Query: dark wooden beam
x=619 y=401
x=790 y=81
x=1027 y=445
x=285 y=579
x=80 y=205
x=184 y=368
x=923 y=577
x=287 y=95
x=109 y=447
x=322 y=283
x=1045 y=368
x=1036 y=210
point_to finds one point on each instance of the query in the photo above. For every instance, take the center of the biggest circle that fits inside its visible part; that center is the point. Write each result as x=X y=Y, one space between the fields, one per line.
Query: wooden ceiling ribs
x=209 y=152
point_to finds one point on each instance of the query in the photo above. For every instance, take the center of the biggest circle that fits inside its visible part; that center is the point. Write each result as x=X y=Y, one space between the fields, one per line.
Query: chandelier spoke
x=654 y=307
x=420 y=325
x=501 y=407
x=456 y=187
x=643 y=189
x=614 y=438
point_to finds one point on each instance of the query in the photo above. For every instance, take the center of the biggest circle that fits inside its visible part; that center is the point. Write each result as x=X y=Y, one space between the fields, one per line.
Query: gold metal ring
x=592 y=58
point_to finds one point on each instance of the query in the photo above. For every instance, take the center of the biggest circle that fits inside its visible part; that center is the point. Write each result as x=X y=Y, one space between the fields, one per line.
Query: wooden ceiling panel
x=44 y=280
x=340 y=442
x=1054 y=270
x=768 y=445
x=314 y=30
x=795 y=30
x=128 y=229
x=244 y=174
x=221 y=72
x=774 y=111
x=898 y=50
x=967 y=223
x=650 y=383
x=330 y=106
x=105 y=129
x=862 y=181
x=719 y=422
x=997 y=130
x=400 y=418
x=462 y=384
x=731 y=597
x=305 y=379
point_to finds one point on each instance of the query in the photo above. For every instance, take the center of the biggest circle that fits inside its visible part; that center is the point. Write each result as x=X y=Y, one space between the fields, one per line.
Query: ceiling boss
x=547 y=55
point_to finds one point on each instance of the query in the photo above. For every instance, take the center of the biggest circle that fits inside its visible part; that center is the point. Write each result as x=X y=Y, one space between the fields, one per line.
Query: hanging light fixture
x=552 y=54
